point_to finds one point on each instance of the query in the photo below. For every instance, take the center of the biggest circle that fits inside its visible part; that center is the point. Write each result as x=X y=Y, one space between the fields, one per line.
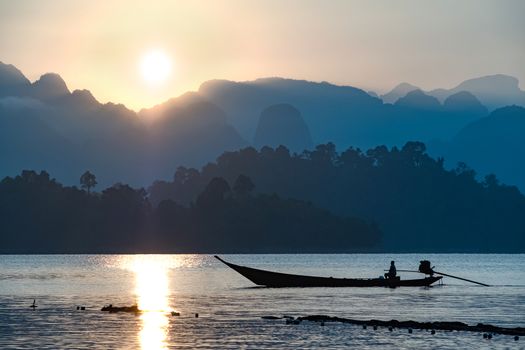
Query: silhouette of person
x=392 y=272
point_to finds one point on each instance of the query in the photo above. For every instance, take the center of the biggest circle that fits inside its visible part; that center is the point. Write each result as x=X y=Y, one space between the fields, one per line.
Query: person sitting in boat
x=392 y=272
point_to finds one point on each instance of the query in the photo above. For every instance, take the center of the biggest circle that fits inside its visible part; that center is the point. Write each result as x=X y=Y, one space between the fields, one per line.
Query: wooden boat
x=277 y=279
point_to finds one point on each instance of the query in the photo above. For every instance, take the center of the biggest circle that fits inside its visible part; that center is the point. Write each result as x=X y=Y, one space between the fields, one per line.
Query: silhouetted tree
x=87 y=181
x=214 y=193
x=243 y=186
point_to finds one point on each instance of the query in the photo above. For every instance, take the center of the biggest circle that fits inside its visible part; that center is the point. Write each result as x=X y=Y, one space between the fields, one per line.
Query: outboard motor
x=424 y=267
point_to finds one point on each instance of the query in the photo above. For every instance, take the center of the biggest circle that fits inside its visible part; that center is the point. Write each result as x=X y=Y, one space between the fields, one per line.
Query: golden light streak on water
x=152 y=292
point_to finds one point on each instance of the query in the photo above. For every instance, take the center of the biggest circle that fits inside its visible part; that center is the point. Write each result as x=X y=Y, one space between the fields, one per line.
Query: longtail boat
x=279 y=280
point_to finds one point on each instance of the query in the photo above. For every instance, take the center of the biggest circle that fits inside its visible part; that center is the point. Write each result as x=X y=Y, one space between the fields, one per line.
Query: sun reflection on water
x=152 y=291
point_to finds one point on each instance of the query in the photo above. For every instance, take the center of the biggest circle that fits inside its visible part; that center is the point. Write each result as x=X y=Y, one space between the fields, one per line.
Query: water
x=230 y=308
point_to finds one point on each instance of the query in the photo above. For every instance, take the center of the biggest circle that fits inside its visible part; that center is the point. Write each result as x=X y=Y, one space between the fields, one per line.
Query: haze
x=374 y=45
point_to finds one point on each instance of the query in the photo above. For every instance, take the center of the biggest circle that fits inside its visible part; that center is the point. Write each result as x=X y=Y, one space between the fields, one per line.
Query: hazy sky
x=98 y=45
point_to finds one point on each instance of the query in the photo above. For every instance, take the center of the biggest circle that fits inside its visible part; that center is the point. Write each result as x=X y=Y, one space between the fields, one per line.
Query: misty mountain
x=397 y=92
x=283 y=125
x=417 y=99
x=493 y=91
x=12 y=81
x=464 y=102
x=118 y=144
x=344 y=115
x=45 y=126
x=490 y=145
x=184 y=131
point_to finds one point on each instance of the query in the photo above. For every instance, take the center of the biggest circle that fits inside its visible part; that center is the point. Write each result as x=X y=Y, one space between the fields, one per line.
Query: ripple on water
x=230 y=308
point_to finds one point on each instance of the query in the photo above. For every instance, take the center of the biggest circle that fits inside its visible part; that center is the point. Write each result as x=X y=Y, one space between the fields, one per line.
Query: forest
x=393 y=200
x=39 y=215
x=417 y=203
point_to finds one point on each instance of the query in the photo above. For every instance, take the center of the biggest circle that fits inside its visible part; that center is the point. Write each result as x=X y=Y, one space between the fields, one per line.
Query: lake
x=230 y=307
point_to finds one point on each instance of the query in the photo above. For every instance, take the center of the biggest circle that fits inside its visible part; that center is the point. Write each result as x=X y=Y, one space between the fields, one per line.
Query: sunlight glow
x=155 y=66
x=152 y=290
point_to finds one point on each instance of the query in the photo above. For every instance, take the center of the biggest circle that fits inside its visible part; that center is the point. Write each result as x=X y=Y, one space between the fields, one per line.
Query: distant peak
x=49 y=86
x=12 y=81
x=491 y=82
x=418 y=99
x=405 y=87
x=465 y=102
x=84 y=97
x=398 y=91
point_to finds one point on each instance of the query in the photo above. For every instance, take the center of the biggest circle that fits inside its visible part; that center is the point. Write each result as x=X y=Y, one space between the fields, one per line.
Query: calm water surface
x=230 y=307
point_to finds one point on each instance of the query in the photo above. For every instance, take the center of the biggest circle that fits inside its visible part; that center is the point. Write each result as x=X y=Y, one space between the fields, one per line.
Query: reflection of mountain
x=283 y=125
x=494 y=144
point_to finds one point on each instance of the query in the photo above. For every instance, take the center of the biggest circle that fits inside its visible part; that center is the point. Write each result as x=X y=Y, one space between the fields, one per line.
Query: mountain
x=326 y=108
x=27 y=142
x=187 y=130
x=493 y=91
x=397 y=92
x=45 y=126
x=344 y=115
x=464 y=102
x=118 y=144
x=417 y=99
x=491 y=145
x=50 y=86
x=12 y=81
x=283 y=124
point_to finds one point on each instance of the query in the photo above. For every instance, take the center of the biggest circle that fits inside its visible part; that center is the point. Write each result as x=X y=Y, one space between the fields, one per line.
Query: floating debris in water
x=111 y=309
x=173 y=313
x=270 y=318
x=489 y=330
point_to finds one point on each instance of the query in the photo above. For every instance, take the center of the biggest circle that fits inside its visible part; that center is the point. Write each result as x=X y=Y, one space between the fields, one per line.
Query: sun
x=155 y=66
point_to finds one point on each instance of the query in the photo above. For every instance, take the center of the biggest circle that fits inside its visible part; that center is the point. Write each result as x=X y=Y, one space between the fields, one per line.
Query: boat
x=280 y=280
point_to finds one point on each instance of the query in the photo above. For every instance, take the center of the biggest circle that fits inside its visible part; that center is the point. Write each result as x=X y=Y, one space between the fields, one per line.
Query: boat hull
x=280 y=280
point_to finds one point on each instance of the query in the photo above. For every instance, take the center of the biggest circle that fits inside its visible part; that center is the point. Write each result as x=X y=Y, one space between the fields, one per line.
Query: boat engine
x=425 y=267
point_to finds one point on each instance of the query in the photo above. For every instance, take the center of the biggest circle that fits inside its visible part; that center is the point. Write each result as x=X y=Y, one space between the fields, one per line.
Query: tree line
x=269 y=200
x=417 y=203
x=40 y=215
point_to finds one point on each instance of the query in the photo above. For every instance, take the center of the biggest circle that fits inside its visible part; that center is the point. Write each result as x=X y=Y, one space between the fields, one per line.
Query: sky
x=374 y=45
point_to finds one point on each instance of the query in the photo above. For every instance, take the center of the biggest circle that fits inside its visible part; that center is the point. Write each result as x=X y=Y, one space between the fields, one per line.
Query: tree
x=214 y=193
x=243 y=186
x=87 y=181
